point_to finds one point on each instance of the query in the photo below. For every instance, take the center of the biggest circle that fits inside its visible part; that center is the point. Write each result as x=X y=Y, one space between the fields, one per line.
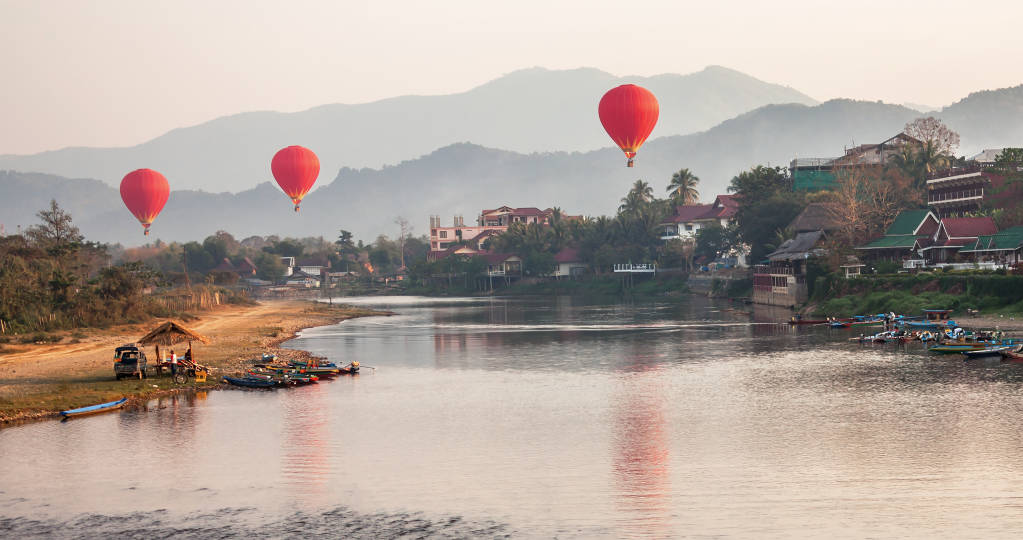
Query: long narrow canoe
x=93 y=409
x=952 y=349
x=249 y=382
x=995 y=350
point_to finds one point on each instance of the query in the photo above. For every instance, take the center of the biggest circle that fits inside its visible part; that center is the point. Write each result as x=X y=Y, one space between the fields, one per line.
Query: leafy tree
x=683 y=187
x=766 y=204
x=57 y=233
x=197 y=259
x=935 y=151
x=943 y=140
x=269 y=267
x=712 y=241
x=380 y=258
x=286 y=248
x=538 y=263
x=1009 y=165
x=760 y=182
x=216 y=247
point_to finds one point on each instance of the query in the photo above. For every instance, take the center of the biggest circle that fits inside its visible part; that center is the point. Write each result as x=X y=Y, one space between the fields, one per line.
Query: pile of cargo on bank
x=268 y=372
x=939 y=333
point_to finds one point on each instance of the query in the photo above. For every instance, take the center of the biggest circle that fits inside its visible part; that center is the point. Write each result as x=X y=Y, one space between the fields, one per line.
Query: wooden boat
x=953 y=348
x=302 y=378
x=250 y=382
x=995 y=350
x=1013 y=355
x=93 y=409
x=850 y=324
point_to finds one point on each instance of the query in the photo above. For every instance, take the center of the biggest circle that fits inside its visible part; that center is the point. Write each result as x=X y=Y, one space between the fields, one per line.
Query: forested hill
x=532 y=110
x=988 y=119
x=464 y=178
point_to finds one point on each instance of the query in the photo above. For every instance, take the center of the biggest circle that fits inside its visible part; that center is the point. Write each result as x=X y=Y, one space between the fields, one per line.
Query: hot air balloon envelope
x=628 y=113
x=144 y=192
x=295 y=168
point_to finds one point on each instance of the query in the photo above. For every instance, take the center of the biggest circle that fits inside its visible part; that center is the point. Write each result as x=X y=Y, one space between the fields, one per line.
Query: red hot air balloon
x=144 y=192
x=629 y=113
x=295 y=169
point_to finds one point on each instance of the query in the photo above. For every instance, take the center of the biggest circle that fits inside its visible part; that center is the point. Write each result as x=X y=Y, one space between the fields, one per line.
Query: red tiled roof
x=494 y=258
x=726 y=212
x=726 y=205
x=484 y=234
x=224 y=266
x=528 y=211
x=692 y=212
x=568 y=255
x=246 y=266
x=969 y=227
x=727 y=200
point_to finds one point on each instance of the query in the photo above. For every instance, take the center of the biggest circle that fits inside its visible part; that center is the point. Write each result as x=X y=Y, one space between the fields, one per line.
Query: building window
x=689 y=226
x=444 y=234
x=443 y=245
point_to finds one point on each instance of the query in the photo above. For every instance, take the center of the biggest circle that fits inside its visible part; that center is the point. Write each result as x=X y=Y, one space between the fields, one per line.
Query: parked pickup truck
x=129 y=361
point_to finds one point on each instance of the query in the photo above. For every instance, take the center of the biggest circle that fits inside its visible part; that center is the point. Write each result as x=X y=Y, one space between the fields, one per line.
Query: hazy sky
x=119 y=72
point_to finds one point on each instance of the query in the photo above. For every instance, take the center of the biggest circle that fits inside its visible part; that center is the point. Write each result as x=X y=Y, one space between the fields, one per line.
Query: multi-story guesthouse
x=488 y=223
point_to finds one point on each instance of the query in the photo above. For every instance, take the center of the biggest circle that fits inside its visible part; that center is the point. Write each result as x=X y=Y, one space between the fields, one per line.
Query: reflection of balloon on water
x=295 y=168
x=628 y=113
x=144 y=192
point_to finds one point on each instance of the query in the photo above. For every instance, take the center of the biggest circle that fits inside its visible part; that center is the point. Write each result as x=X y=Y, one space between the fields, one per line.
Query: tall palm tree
x=683 y=187
x=917 y=162
x=640 y=195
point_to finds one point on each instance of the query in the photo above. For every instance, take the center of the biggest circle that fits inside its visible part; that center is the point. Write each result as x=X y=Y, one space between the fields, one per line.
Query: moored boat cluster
x=934 y=329
x=268 y=372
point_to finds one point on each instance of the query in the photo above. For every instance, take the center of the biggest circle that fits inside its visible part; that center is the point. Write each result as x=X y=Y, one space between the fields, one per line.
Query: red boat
x=1008 y=356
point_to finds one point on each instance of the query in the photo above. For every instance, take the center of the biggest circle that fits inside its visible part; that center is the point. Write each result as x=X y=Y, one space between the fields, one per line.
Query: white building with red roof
x=689 y=219
x=569 y=263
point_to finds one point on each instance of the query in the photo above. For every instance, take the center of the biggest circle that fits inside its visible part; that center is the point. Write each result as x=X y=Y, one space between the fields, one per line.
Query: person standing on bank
x=174 y=363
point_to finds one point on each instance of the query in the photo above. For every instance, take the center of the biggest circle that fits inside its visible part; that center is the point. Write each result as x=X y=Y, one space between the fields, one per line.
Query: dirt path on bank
x=39 y=379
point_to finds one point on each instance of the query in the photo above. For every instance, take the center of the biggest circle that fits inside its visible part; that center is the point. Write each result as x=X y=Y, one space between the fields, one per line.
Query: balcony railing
x=641 y=268
x=955 y=172
x=777 y=270
x=955 y=195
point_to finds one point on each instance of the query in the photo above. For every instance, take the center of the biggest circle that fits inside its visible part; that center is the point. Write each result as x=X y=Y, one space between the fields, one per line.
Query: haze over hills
x=464 y=178
x=531 y=110
x=987 y=119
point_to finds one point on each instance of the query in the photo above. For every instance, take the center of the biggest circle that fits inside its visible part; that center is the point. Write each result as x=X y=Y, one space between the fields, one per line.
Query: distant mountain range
x=463 y=178
x=532 y=110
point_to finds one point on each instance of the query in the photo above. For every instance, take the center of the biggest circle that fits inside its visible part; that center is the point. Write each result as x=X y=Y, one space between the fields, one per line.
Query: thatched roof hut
x=170 y=333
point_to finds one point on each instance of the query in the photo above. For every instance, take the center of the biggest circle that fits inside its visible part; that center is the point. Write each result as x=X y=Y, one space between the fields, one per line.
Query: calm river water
x=550 y=417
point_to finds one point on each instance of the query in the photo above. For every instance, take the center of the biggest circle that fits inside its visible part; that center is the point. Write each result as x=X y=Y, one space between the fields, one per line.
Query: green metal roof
x=1009 y=239
x=893 y=242
x=907 y=222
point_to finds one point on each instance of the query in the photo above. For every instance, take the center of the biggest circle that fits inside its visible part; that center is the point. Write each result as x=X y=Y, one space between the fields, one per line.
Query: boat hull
x=94 y=409
x=249 y=383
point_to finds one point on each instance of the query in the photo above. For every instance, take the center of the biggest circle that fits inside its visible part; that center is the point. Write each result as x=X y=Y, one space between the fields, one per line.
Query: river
x=550 y=417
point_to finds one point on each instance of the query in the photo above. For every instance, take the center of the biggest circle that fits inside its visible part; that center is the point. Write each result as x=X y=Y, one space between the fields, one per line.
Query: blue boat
x=250 y=382
x=93 y=409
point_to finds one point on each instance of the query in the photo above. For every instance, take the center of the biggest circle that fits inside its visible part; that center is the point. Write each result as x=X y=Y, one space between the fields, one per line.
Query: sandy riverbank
x=39 y=380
